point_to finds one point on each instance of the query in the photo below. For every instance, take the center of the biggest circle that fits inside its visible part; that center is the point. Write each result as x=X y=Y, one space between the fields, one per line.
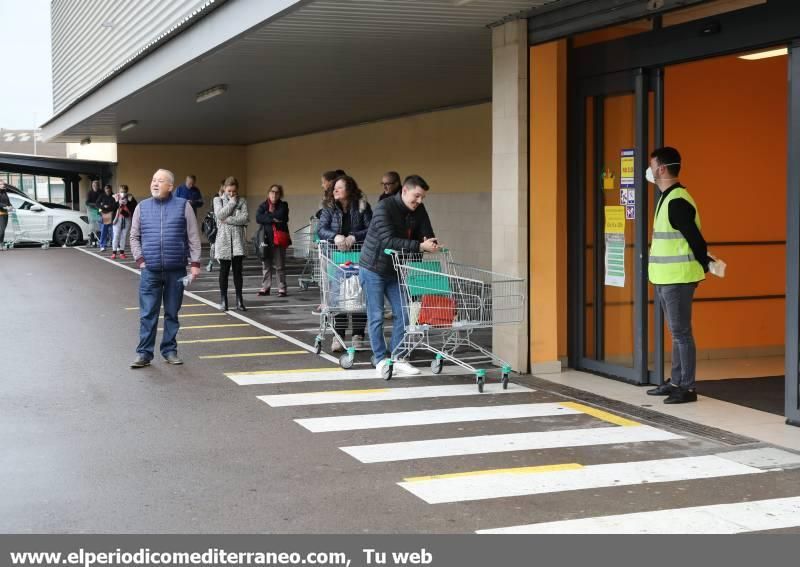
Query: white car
x=39 y=222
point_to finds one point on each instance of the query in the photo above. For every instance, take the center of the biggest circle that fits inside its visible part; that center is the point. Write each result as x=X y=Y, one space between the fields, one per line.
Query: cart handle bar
x=389 y=251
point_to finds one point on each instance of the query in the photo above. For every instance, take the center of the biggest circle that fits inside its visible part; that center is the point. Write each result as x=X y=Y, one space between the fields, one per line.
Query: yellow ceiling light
x=766 y=54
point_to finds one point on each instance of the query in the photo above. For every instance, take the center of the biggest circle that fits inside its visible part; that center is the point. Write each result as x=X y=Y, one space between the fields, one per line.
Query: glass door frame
x=639 y=82
x=754 y=28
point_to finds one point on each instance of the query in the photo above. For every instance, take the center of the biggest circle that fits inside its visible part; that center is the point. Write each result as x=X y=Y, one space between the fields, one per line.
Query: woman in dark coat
x=273 y=215
x=107 y=205
x=344 y=223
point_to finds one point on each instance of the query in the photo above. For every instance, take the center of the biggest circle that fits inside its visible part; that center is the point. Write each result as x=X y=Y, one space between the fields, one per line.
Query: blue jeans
x=676 y=302
x=376 y=287
x=105 y=234
x=153 y=287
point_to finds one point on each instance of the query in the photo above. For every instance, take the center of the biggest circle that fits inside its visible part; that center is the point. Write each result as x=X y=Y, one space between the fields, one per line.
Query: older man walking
x=164 y=235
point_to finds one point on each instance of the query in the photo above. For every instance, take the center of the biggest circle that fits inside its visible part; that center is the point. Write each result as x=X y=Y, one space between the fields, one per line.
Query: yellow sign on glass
x=615 y=219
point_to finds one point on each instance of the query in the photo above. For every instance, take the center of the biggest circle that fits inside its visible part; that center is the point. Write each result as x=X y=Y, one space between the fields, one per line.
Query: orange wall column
x=548 y=205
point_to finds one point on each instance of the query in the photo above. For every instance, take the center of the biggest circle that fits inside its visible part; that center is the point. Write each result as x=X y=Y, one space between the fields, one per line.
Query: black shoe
x=664 y=389
x=172 y=358
x=681 y=396
x=223 y=302
x=240 y=303
x=140 y=362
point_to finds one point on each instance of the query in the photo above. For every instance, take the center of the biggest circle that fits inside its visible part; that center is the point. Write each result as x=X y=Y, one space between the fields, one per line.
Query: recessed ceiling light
x=216 y=90
x=765 y=54
x=128 y=125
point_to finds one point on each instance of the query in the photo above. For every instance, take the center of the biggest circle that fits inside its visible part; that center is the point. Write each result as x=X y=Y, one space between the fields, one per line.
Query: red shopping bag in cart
x=437 y=310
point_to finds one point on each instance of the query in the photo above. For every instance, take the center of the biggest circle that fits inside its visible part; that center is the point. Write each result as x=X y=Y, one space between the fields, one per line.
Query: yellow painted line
x=199 y=315
x=182 y=306
x=210 y=326
x=517 y=470
x=600 y=414
x=254 y=354
x=228 y=339
x=296 y=371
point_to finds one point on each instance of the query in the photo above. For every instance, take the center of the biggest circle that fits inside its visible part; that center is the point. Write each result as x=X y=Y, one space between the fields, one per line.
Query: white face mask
x=649 y=173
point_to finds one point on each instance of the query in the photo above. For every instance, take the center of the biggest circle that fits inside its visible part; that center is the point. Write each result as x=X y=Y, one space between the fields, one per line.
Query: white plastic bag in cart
x=350 y=293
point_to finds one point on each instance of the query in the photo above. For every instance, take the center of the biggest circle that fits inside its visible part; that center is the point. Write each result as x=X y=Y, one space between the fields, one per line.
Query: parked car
x=44 y=221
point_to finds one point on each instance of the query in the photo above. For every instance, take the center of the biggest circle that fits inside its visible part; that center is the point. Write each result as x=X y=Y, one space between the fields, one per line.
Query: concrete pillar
x=510 y=175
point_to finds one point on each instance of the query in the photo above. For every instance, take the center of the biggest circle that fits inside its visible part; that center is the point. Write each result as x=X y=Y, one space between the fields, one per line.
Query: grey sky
x=26 y=86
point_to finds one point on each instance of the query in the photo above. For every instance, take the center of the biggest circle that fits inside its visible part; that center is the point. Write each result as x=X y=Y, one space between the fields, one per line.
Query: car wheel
x=67 y=233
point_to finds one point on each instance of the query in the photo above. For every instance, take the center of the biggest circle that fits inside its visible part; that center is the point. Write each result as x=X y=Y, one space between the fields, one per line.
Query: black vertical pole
x=640 y=237
x=658 y=315
x=792 y=395
x=599 y=231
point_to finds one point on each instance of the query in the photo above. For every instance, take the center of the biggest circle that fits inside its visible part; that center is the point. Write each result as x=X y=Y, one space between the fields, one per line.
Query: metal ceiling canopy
x=316 y=66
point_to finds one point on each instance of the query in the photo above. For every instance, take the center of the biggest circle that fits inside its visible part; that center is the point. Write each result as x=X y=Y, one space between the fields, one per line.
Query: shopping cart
x=445 y=302
x=341 y=293
x=94 y=226
x=20 y=234
x=304 y=245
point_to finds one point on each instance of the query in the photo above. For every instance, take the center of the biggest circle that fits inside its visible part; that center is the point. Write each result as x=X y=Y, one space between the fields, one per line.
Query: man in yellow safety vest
x=678 y=261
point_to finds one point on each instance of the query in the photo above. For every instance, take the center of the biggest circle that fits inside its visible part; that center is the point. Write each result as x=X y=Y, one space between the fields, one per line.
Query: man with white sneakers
x=399 y=222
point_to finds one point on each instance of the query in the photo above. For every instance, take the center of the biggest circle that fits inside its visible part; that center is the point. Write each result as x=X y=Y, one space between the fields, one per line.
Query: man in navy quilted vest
x=164 y=238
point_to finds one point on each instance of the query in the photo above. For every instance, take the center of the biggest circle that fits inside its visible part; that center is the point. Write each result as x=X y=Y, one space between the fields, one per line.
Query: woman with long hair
x=229 y=247
x=344 y=222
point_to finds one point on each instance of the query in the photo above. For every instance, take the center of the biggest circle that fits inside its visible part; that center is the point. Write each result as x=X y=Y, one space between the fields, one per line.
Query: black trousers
x=224 y=270
x=359 y=323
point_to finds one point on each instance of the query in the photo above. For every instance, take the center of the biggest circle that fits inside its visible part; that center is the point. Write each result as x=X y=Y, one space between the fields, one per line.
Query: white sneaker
x=379 y=368
x=405 y=368
x=336 y=346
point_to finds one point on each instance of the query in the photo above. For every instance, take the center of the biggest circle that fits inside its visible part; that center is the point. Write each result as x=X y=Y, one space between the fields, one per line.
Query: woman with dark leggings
x=229 y=247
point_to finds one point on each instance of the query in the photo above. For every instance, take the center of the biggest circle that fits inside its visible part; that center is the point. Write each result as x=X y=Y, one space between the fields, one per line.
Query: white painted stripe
x=736 y=518
x=483 y=444
x=321 y=375
x=431 y=417
x=384 y=394
x=507 y=484
x=257 y=325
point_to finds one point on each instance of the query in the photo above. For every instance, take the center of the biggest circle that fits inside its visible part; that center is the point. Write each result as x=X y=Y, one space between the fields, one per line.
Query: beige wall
x=96 y=152
x=137 y=163
x=451 y=149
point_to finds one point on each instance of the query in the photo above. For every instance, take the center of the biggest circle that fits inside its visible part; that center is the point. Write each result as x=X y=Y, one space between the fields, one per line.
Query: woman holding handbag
x=229 y=247
x=273 y=216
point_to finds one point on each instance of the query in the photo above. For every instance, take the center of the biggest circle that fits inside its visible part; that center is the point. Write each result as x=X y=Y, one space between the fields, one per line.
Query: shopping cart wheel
x=436 y=365
x=318 y=345
x=480 y=376
x=386 y=371
x=346 y=361
x=506 y=372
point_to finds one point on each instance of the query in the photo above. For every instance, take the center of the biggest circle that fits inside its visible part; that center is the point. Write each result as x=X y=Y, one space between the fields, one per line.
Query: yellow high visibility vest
x=671 y=258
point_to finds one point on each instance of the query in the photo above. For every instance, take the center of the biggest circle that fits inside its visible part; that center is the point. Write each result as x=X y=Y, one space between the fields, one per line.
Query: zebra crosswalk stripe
x=384 y=394
x=484 y=444
x=739 y=517
x=504 y=483
x=315 y=375
x=431 y=417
